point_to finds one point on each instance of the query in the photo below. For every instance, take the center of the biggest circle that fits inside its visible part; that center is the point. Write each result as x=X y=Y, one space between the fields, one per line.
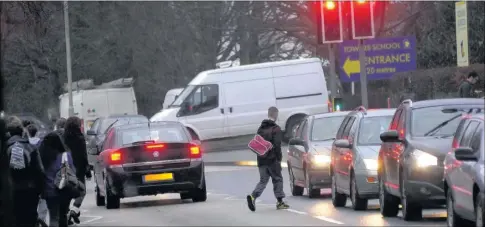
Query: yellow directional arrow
x=351 y=67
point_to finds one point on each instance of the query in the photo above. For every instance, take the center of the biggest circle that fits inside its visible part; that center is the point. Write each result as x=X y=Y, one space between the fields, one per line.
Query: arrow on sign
x=351 y=67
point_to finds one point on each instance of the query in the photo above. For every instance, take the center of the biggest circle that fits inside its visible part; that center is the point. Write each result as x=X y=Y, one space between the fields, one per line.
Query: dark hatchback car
x=149 y=159
x=410 y=161
x=309 y=153
x=97 y=133
x=464 y=174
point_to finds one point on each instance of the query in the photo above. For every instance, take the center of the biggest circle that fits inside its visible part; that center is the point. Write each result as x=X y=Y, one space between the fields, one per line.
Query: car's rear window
x=167 y=133
x=439 y=120
x=121 y=121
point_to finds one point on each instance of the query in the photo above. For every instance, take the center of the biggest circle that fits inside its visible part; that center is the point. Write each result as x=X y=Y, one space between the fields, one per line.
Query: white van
x=233 y=101
x=170 y=96
x=91 y=104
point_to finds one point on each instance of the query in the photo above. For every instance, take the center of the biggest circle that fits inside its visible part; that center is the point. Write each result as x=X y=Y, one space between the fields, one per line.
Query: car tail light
x=455 y=144
x=115 y=156
x=195 y=152
x=154 y=146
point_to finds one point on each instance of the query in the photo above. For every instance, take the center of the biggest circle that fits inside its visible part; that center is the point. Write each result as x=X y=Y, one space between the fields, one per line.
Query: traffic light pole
x=332 y=71
x=362 y=76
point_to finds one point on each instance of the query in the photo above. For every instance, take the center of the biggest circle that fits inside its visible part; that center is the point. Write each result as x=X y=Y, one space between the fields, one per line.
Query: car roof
x=331 y=114
x=151 y=124
x=444 y=102
x=125 y=116
x=377 y=112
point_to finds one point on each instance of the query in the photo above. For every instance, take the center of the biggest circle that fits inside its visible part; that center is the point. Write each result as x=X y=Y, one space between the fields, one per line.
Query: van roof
x=96 y=90
x=202 y=76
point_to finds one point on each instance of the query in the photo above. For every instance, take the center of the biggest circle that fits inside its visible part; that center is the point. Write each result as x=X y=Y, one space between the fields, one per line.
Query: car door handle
x=222 y=110
x=231 y=109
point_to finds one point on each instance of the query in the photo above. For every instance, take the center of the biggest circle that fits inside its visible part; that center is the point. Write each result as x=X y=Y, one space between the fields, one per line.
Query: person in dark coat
x=270 y=165
x=27 y=174
x=466 y=89
x=76 y=142
x=60 y=123
x=51 y=149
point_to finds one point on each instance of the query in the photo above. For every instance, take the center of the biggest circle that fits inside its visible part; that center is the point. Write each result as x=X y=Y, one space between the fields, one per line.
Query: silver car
x=354 y=157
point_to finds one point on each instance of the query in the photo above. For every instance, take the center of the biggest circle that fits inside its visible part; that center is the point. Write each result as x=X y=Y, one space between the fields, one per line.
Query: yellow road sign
x=351 y=66
x=462 y=44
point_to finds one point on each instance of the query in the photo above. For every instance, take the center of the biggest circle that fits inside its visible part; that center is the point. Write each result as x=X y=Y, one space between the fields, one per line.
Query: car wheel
x=453 y=219
x=338 y=199
x=296 y=190
x=100 y=200
x=200 y=194
x=480 y=210
x=388 y=203
x=411 y=211
x=185 y=195
x=111 y=201
x=356 y=202
x=312 y=193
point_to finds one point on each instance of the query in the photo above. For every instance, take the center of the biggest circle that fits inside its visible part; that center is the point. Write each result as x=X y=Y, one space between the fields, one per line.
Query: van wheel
x=100 y=200
x=292 y=126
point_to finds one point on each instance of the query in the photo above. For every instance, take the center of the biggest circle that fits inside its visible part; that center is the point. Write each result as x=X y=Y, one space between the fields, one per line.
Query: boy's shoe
x=74 y=216
x=251 y=202
x=282 y=205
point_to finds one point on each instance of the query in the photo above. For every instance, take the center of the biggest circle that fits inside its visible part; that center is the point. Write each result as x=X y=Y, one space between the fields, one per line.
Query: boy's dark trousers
x=273 y=171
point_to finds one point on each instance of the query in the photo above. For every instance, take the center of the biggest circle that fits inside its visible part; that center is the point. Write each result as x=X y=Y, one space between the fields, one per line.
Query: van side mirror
x=465 y=154
x=390 y=136
x=342 y=143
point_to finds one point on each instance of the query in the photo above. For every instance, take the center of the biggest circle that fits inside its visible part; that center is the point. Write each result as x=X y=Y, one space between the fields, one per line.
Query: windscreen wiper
x=110 y=126
x=444 y=123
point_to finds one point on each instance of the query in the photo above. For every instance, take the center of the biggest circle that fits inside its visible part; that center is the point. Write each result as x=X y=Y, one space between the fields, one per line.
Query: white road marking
x=218 y=194
x=329 y=220
x=296 y=211
x=99 y=222
x=233 y=198
x=93 y=218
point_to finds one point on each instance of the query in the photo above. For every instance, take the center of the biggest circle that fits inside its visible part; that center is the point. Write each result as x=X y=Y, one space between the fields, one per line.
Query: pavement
x=227 y=187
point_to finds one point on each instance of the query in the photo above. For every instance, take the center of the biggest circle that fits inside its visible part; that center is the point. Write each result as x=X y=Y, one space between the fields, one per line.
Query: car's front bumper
x=129 y=184
x=320 y=176
x=367 y=183
x=425 y=185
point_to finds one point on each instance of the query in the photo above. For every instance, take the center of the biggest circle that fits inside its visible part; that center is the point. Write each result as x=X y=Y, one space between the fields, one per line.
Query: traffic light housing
x=362 y=17
x=337 y=104
x=330 y=26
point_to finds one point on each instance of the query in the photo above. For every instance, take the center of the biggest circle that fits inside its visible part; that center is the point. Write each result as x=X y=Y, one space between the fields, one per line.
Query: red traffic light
x=330 y=5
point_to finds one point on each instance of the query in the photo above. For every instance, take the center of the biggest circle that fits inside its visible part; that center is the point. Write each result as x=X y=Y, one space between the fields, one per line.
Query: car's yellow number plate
x=158 y=177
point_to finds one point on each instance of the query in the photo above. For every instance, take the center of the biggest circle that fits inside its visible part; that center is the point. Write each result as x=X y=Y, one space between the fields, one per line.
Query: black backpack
x=66 y=181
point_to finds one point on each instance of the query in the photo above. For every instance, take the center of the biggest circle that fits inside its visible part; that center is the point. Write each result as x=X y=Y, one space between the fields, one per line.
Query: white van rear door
x=121 y=101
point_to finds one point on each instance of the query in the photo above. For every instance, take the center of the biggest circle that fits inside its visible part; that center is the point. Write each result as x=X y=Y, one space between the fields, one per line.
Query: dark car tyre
x=338 y=199
x=100 y=200
x=480 y=210
x=185 y=195
x=296 y=190
x=111 y=201
x=453 y=219
x=356 y=202
x=388 y=203
x=411 y=211
x=200 y=194
x=312 y=193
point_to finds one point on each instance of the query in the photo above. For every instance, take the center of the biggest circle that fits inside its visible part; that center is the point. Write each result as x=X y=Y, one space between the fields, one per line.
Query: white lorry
x=102 y=102
x=170 y=96
x=233 y=101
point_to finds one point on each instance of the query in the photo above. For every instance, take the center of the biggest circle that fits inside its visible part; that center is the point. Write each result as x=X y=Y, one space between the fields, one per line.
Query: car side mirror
x=298 y=142
x=465 y=154
x=342 y=143
x=390 y=136
x=91 y=133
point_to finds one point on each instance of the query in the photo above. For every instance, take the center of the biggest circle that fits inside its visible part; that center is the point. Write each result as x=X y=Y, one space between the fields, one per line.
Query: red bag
x=260 y=146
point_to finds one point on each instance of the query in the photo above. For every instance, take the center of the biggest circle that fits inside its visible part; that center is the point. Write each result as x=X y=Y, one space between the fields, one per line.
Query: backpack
x=19 y=157
x=66 y=181
x=259 y=145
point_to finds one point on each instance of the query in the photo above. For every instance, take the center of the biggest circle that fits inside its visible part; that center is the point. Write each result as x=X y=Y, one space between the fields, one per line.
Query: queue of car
x=425 y=154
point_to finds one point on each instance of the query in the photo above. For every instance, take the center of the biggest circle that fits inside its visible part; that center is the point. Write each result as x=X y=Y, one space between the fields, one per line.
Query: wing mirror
x=342 y=143
x=390 y=136
x=465 y=154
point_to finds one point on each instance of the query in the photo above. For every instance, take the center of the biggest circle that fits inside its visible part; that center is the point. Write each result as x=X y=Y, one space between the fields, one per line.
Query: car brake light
x=154 y=146
x=195 y=152
x=115 y=156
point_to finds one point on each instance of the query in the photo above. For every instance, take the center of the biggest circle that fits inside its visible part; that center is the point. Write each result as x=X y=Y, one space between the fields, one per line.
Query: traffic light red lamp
x=330 y=22
x=362 y=16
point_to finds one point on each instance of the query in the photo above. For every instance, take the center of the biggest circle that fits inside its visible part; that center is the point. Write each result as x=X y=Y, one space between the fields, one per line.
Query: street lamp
x=68 y=58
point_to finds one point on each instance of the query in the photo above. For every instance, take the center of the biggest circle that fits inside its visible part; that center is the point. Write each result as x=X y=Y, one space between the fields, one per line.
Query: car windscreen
x=106 y=123
x=326 y=128
x=439 y=121
x=370 y=129
x=161 y=133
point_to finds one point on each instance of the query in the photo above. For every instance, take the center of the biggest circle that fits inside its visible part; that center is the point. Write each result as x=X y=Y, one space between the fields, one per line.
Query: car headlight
x=371 y=164
x=321 y=159
x=423 y=159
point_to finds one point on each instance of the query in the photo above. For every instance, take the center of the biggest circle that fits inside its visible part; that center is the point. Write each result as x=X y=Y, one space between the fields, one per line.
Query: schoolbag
x=260 y=145
x=66 y=181
x=19 y=157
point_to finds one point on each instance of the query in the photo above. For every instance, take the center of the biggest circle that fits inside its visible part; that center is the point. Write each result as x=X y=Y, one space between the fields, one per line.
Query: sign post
x=362 y=74
x=462 y=44
x=383 y=58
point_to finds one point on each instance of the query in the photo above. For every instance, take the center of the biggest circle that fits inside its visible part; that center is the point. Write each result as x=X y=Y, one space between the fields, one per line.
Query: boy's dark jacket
x=271 y=132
